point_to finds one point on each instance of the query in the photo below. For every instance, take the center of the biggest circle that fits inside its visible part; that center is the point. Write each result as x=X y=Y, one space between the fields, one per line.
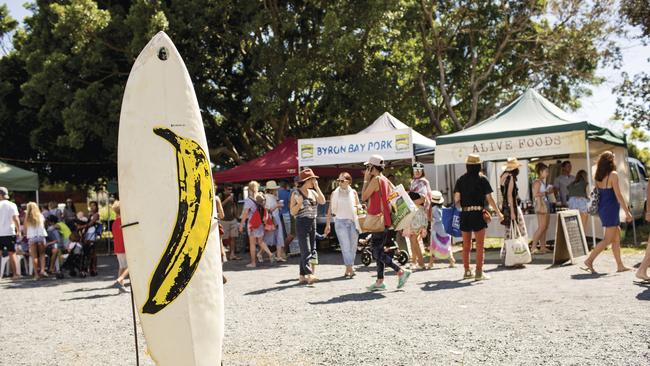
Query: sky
x=598 y=108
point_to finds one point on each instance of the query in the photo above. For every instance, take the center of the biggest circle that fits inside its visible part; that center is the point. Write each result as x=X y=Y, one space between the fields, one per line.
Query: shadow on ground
x=363 y=296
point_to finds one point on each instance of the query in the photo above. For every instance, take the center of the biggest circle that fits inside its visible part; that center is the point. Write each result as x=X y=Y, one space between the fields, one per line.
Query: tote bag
x=451 y=221
x=516 y=247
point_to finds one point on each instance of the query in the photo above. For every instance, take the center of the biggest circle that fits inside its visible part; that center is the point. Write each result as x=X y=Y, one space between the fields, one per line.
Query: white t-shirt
x=8 y=210
x=562 y=183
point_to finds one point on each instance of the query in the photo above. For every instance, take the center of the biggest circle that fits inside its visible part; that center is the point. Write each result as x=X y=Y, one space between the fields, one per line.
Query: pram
x=73 y=262
x=89 y=258
x=390 y=247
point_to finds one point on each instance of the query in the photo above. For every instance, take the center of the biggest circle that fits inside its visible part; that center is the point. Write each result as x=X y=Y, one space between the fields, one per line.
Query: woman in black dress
x=471 y=191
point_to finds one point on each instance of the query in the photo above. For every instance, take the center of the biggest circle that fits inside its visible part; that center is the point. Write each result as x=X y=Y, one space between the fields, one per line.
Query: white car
x=638 y=188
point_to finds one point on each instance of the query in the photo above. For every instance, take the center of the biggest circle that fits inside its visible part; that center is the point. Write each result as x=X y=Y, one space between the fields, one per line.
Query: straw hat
x=437 y=198
x=511 y=165
x=306 y=174
x=473 y=159
x=271 y=185
x=375 y=160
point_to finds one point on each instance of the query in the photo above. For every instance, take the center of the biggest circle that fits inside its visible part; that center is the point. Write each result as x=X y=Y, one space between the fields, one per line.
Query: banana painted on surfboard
x=193 y=221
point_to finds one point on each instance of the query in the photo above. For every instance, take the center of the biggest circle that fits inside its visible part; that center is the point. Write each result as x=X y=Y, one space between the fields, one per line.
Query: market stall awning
x=531 y=126
x=17 y=179
x=386 y=136
x=281 y=162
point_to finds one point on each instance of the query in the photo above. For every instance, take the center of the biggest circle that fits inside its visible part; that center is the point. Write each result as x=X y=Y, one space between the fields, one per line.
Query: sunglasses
x=341 y=180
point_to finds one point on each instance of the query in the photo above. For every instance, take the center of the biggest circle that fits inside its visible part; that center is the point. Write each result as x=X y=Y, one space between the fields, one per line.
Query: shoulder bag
x=375 y=223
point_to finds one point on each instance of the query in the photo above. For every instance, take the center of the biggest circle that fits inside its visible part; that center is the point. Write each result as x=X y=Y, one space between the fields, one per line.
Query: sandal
x=589 y=269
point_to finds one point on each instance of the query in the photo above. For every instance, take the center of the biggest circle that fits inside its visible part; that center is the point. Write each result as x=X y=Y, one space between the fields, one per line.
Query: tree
x=265 y=70
x=633 y=94
x=477 y=56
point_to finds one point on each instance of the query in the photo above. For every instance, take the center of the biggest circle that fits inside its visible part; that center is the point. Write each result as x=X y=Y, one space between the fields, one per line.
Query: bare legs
x=418 y=258
x=37 y=252
x=612 y=236
x=642 y=272
x=540 y=234
x=252 y=244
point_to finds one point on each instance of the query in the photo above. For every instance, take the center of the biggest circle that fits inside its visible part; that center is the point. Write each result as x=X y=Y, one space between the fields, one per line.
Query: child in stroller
x=73 y=262
x=89 y=231
x=390 y=247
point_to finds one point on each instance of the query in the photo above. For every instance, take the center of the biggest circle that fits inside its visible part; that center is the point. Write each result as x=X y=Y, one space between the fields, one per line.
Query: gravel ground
x=533 y=316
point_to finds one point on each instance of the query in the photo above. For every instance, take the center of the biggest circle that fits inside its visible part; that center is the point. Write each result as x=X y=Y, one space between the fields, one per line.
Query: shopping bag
x=516 y=247
x=451 y=221
x=402 y=208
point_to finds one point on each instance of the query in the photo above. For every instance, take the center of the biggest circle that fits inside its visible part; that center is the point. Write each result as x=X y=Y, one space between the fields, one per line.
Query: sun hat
x=418 y=166
x=511 y=164
x=437 y=198
x=473 y=159
x=270 y=185
x=375 y=160
x=4 y=192
x=306 y=174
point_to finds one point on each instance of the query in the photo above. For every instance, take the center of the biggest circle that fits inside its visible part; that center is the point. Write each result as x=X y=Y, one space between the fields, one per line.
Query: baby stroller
x=73 y=262
x=390 y=247
x=89 y=258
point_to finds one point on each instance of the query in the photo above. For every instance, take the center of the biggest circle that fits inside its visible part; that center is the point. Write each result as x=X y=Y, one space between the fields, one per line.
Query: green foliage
x=264 y=70
x=635 y=137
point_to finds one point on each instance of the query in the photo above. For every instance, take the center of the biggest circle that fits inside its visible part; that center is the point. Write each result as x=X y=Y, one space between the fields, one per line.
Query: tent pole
x=38 y=202
x=591 y=184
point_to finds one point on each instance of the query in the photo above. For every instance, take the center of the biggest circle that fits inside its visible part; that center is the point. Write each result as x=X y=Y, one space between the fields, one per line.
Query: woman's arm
x=537 y=185
x=296 y=203
x=369 y=187
x=457 y=198
x=619 y=196
x=243 y=217
x=511 y=199
x=329 y=217
x=220 y=213
x=493 y=204
x=320 y=197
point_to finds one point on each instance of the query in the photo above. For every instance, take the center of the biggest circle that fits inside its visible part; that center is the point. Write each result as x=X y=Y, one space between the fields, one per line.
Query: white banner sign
x=519 y=147
x=391 y=145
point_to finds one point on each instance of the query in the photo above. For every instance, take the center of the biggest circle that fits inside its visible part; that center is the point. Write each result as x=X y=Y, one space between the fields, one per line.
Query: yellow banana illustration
x=190 y=234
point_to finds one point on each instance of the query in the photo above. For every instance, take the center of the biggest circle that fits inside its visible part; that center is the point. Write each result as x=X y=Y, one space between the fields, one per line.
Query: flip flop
x=641 y=282
x=588 y=269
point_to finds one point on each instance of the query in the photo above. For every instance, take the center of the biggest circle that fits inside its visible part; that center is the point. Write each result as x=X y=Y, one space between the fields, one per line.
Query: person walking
x=229 y=222
x=120 y=253
x=275 y=238
x=579 y=196
x=303 y=206
x=420 y=185
x=10 y=231
x=610 y=203
x=441 y=242
x=256 y=232
x=471 y=191
x=375 y=191
x=510 y=193
x=642 y=272
x=542 y=209
x=344 y=203
x=35 y=233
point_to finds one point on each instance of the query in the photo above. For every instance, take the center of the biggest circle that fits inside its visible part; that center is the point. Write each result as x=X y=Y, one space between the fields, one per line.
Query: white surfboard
x=166 y=198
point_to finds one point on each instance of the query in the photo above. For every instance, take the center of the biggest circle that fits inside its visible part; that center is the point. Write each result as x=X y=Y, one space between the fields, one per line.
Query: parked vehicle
x=638 y=188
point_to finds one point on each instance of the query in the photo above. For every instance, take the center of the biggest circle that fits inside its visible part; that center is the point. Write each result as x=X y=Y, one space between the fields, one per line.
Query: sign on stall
x=570 y=241
x=347 y=149
x=519 y=146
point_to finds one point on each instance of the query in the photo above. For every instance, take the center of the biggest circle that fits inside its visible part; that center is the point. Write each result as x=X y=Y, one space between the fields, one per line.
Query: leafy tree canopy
x=264 y=70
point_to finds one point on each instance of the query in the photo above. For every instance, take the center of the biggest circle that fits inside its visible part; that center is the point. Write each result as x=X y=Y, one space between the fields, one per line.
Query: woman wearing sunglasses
x=420 y=185
x=344 y=202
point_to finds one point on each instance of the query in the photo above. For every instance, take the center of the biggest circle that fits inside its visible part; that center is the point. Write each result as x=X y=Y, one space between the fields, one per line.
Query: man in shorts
x=229 y=222
x=9 y=230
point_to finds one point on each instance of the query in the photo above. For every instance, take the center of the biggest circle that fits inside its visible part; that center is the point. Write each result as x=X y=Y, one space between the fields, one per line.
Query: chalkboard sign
x=570 y=241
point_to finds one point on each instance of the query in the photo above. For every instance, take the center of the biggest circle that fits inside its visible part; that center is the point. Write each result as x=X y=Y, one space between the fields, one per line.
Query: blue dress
x=608 y=207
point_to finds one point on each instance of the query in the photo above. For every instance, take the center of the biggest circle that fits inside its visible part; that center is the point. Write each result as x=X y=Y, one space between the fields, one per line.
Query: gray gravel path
x=533 y=316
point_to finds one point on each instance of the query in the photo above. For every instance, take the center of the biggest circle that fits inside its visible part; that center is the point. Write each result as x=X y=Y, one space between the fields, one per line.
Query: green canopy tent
x=17 y=179
x=533 y=127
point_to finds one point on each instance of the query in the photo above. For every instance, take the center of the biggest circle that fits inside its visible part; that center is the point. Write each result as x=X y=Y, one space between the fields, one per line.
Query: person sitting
x=53 y=241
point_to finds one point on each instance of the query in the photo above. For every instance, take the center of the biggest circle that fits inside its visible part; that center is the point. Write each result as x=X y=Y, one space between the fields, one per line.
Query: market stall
x=531 y=127
x=17 y=179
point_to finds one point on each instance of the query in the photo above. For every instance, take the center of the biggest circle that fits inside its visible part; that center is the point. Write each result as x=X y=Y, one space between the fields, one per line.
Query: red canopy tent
x=281 y=162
